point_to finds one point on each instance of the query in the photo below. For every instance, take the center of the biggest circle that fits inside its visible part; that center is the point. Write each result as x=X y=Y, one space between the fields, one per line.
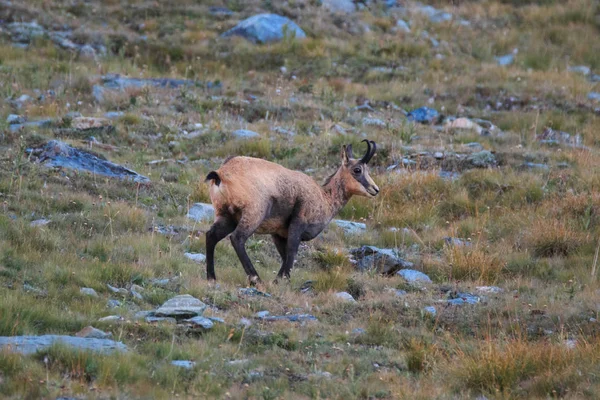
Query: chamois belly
x=273 y=226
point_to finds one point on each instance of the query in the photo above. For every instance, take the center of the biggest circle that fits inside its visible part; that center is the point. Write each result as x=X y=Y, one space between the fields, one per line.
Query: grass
x=533 y=233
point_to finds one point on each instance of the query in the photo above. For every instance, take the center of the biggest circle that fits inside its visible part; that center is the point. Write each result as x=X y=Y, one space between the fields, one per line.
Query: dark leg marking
x=222 y=227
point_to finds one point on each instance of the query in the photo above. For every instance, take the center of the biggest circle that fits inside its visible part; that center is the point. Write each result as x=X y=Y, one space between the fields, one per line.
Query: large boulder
x=266 y=28
x=385 y=261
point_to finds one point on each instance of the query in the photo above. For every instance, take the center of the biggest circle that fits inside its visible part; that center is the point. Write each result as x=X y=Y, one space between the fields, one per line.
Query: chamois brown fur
x=252 y=195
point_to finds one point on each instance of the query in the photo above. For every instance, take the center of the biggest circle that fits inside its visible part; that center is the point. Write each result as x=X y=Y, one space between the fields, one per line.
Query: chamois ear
x=347 y=154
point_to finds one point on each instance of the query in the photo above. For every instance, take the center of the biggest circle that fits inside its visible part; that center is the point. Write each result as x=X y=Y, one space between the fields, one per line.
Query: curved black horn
x=370 y=151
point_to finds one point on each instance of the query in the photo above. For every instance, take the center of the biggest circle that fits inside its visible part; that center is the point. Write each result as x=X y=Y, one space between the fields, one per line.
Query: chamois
x=251 y=195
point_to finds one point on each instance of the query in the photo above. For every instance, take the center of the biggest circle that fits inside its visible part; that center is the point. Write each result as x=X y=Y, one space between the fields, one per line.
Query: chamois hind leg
x=222 y=227
x=293 y=242
x=281 y=245
x=240 y=235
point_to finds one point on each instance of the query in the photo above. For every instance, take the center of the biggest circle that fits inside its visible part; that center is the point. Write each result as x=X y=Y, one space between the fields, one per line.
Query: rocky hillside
x=473 y=274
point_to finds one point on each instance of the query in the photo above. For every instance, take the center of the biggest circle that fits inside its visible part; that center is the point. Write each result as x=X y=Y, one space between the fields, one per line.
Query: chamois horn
x=371 y=147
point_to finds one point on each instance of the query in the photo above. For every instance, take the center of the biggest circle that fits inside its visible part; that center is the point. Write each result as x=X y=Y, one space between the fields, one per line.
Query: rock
x=113 y=303
x=113 y=289
x=474 y=146
x=449 y=175
x=262 y=314
x=339 y=6
x=530 y=165
x=345 y=296
x=400 y=293
x=594 y=78
x=13 y=119
x=136 y=292
x=245 y=134
x=245 y=322
x=196 y=257
x=291 y=318
x=464 y=123
x=42 y=123
x=463 y=298
x=350 y=227
x=98 y=93
x=183 y=364
x=114 y=114
x=321 y=375
x=118 y=82
x=253 y=292
x=93 y=333
x=142 y=315
x=88 y=292
x=364 y=108
x=423 y=115
x=552 y=136
x=570 y=343
x=87 y=52
x=217 y=319
x=385 y=261
x=32 y=344
x=86 y=123
x=594 y=96
x=110 y=318
x=283 y=131
x=505 y=60
x=266 y=28
x=358 y=331
x=182 y=306
x=220 y=12
x=438 y=155
x=238 y=362
x=152 y=319
x=489 y=289
x=402 y=26
x=413 y=277
x=57 y=154
x=482 y=159
x=452 y=241
x=201 y=322
x=430 y=310
x=25 y=32
x=580 y=69
x=32 y=289
x=440 y=16
x=201 y=212
x=374 y=122
x=39 y=222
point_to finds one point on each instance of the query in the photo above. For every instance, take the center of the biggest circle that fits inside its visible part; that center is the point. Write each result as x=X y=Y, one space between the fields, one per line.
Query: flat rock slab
x=183 y=306
x=385 y=261
x=200 y=322
x=58 y=154
x=266 y=28
x=32 y=344
x=291 y=318
x=253 y=292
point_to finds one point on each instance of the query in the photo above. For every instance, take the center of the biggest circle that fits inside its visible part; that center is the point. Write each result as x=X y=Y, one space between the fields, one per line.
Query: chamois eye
x=357 y=170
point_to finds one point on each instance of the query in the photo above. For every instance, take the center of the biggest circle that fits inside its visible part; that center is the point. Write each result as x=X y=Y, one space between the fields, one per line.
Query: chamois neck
x=336 y=192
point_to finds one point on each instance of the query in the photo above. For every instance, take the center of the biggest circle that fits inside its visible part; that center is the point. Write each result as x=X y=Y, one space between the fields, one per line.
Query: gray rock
x=464 y=298
x=482 y=159
x=423 y=115
x=438 y=155
x=553 y=136
x=204 y=323
x=220 y=12
x=266 y=28
x=413 y=277
x=402 y=26
x=87 y=52
x=201 y=212
x=489 y=289
x=113 y=289
x=196 y=257
x=32 y=289
x=98 y=93
x=25 y=32
x=32 y=344
x=262 y=314
x=57 y=154
x=93 y=333
x=594 y=96
x=283 y=131
x=440 y=16
x=345 y=296
x=39 y=222
x=110 y=318
x=474 y=146
x=217 y=319
x=88 y=292
x=13 y=119
x=350 y=227
x=321 y=375
x=580 y=69
x=594 y=78
x=385 y=261
x=430 y=310
x=339 y=6
x=113 y=303
x=41 y=124
x=245 y=322
x=291 y=318
x=530 y=165
x=182 y=306
x=505 y=60
x=374 y=122
x=358 y=331
x=142 y=315
x=118 y=82
x=114 y=114
x=400 y=293
x=245 y=134
x=449 y=175
x=152 y=319
x=253 y=292
x=135 y=291
x=183 y=364
x=452 y=241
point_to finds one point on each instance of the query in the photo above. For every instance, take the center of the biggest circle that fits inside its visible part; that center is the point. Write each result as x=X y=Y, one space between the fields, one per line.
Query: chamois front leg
x=222 y=227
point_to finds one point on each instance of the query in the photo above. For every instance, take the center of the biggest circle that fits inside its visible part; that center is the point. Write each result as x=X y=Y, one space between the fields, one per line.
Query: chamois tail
x=212 y=175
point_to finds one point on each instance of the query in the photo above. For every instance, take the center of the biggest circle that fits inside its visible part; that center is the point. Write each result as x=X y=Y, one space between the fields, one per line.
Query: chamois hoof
x=254 y=280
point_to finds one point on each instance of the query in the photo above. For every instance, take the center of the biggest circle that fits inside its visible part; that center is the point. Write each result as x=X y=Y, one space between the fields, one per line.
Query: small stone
x=88 y=292
x=196 y=257
x=253 y=292
x=505 y=60
x=358 y=331
x=489 y=289
x=113 y=289
x=345 y=296
x=385 y=261
x=464 y=123
x=152 y=319
x=183 y=364
x=400 y=293
x=114 y=114
x=15 y=119
x=84 y=123
x=339 y=6
x=265 y=28
x=423 y=115
x=570 y=343
x=580 y=69
x=238 y=362
x=87 y=52
x=376 y=122
x=482 y=159
x=464 y=298
x=110 y=318
x=201 y=322
x=402 y=26
x=245 y=134
x=438 y=155
x=39 y=222
x=245 y=322
x=321 y=375
x=440 y=17
x=113 y=304
x=350 y=227
x=262 y=314
x=136 y=292
x=414 y=277
x=594 y=96
x=452 y=241
x=93 y=333
x=181 y=306
x=430 y=310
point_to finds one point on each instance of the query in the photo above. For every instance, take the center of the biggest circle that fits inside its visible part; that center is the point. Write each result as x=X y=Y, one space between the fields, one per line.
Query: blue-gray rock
x=489 y=289
x=114 y=114
x=13 y=119
x=266 y=28
x=201 y=212
x=262 y=314
x=376 y=122
x=384 y=261
x=464 y=298
x=430 y=310
x=57 y=154
x=595 y=96
x=32 y=344
x=580 y=69
x=42 y=123
x=345 y=296
x=265 y=316
x=283 y=131
x=113 y=289
x=358 y=331
x=413 y=277
x=196 y=257
x=482 y=159
x=39 y=222
x=118 y=82
x=93 y=333
x=245 y=322
x=505 y=60
x=98 y=93
x=217 y=319
x=88 y=292
x=350 y=227
x=402 y=26
x=245 y=134
x=452 y=241
x=253 y=292
x=183 y=364
x=423 y=115
x=152 y=319
x=220 y=11
x=530 y=165
x=400 y=293
x=25 y=32
x=201 y=322
x=182 y=306
x=113 y=303
x=440 y=16
x=339 y=6
x=594 y=78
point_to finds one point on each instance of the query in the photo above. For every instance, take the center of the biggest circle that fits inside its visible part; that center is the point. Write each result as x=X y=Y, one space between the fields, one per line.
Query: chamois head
x=356 y=172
